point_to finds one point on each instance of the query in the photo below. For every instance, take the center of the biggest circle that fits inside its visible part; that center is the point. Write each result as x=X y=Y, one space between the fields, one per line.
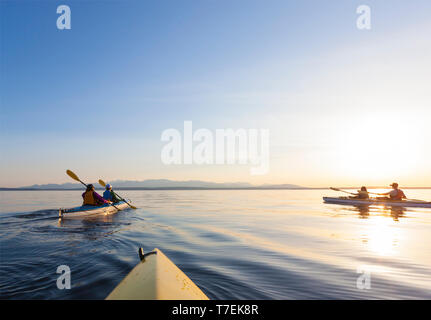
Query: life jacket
x=107 y=195
x=89 y=199
x=363 y=195
x=400 y=195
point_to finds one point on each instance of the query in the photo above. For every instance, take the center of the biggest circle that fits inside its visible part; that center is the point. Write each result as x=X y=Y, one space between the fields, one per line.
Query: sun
x=377 y=147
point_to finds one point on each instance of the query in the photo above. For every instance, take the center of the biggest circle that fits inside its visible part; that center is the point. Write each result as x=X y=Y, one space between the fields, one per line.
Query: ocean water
x=235 y=244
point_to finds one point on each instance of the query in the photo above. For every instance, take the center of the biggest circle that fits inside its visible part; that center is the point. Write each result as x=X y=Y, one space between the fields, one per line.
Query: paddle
x=75 y=177
x=336 y=189
x=379 y=194
x=416 y=200
x=103 y=184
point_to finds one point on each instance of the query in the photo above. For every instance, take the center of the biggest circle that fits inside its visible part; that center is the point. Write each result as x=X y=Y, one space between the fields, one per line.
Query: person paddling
x=395 y=194
x=362 y=194
x=92 y=198
x=110 y=195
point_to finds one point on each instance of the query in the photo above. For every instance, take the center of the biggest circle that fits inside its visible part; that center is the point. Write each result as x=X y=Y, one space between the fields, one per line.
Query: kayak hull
x=370 y=202
x=156 y=278
x=91 y=211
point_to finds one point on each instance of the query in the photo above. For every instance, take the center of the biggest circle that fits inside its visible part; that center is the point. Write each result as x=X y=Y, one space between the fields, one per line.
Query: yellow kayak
x=156 y=278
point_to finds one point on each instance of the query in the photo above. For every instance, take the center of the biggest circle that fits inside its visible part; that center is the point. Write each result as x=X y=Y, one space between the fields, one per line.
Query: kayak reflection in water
x=395 y=194
x=362 y=194
x=92 y=198
x=110 y=195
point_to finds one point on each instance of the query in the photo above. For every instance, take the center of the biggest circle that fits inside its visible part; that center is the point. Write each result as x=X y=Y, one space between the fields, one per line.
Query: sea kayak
x=156 y=278
x=91 y=211
x=378 y=202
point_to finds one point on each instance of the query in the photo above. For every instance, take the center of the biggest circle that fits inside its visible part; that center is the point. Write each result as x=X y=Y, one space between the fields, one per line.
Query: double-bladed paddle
x=336 y=189
x=379 y=194
x=75 y=177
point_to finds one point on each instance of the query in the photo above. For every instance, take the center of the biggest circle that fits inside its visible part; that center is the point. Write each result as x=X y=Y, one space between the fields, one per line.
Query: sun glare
x=382 y=237
x=377 y=148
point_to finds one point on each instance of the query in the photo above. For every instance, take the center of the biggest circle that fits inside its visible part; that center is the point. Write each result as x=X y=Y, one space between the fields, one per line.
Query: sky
x=343 y=106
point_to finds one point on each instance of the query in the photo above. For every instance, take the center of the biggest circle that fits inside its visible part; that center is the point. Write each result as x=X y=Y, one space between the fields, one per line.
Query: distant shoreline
x=198 y=188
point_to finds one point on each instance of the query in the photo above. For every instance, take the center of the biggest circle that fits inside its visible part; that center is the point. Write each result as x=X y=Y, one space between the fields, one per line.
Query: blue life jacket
x=107 y=195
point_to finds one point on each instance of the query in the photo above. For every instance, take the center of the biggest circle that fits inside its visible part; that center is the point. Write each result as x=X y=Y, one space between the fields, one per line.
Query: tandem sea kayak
x=156 y=278
x=377 y=202
x=91 y=211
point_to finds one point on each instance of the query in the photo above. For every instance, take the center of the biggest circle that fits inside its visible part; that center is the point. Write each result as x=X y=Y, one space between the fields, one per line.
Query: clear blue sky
x=96 y=98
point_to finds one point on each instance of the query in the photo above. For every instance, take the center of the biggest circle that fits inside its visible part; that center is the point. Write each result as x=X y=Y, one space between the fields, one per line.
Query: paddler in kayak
x=110 y=195
x=362 y=194
x=395 y=194
x=92 y=198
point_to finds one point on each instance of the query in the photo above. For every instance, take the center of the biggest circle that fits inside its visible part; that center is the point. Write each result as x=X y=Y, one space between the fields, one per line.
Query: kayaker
x=110 y=195
x=362 y=194
x=395 y=194
x=92 y=198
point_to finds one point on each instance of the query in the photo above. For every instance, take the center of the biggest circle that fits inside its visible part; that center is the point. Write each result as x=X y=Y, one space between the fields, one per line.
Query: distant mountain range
x=162 y=184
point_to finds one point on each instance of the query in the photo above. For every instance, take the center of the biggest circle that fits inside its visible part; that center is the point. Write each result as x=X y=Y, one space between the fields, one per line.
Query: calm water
x=232 y=244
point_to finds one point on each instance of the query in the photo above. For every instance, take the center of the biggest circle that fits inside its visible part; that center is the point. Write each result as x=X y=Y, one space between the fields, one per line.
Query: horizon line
x=198 y=188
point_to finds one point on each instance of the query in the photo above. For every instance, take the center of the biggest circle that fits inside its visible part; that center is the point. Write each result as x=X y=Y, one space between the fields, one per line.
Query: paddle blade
x=102 y=183
x=72 y=175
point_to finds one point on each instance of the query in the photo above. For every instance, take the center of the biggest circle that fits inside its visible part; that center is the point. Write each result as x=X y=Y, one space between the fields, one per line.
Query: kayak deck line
x=156 y=277
x=91 y=211
x=372 y=201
